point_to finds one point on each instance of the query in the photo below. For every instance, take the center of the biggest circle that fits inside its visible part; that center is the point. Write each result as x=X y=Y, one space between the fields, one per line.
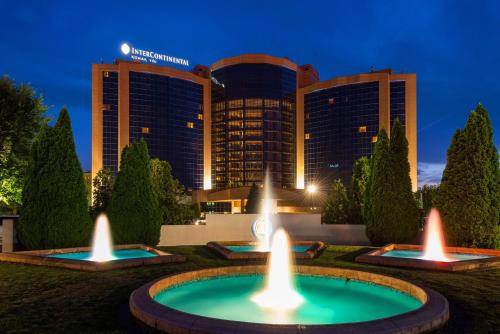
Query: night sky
x=453 y=46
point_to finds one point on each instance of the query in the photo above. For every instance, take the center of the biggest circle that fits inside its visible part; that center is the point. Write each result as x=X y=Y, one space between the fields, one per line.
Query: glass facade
x=398 y=107
x=167 y=113
x=253 y=125
x=340 y=125
x=110 y=121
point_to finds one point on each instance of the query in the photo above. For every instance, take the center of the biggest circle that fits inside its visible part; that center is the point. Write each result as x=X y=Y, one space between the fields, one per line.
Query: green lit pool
x=120 y=254
x=250 y=248
x=327 y=300
x=410 y=254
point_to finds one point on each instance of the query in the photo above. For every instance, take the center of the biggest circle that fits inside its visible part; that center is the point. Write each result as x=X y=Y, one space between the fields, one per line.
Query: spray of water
x=102 y=243
x=263 y=226
x=279 y=294
x=434 y=239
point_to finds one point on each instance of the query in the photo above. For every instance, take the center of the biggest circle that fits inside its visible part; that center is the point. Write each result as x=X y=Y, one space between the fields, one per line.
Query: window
x=374 y=139
x=190 y=125
x=308 y=136
x=331 y=100
x=145 y=130
x=362 y=129
x=106 y=74
x=254 y=103
x=200 y=116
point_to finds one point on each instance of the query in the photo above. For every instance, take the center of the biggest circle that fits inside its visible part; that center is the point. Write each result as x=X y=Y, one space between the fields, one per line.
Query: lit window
x=200 y=116
x=308 y=136
x=374 y=139
x=106 y=74
x=331 y=100
x=362 y=129
x=190 y=125
x=145 y=130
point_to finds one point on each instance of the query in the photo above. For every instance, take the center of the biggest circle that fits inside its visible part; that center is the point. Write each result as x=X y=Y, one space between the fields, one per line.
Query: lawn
x=51 y=300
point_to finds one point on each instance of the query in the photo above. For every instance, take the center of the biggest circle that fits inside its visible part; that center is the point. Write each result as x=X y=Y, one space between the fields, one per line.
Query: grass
x=37 y=299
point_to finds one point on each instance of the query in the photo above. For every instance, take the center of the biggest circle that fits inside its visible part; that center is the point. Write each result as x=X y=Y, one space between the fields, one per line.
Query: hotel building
x=221 y=127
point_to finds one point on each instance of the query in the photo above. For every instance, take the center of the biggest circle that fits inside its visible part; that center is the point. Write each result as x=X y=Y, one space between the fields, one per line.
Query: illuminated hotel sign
x=150 y=56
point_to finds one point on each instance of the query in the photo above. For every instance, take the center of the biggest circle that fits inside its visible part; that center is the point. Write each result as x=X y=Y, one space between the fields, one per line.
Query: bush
x=102 y=185
x=337 y=206
x=55 y=212
x=359 y=182
x=133 y=211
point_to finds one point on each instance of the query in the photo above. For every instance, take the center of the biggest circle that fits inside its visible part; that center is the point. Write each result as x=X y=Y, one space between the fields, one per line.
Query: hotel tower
x=222 y=126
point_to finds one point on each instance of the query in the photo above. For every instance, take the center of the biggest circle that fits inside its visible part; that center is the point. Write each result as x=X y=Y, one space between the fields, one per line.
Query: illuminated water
x=279 y=292
x=117 y=254
x=326 y=300
x=452 y=257
x=102 y=242
x=296 y=249
x=434 y=244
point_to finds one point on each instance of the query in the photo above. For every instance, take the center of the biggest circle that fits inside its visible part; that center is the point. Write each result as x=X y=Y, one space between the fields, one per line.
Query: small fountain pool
x=282 y=298
x=433 y=254
x=102 y=255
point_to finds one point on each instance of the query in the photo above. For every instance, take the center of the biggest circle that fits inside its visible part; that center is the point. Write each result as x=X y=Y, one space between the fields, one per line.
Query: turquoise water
x=409 y=254
x=119 y=254
x=297 y=249
x=327 y=300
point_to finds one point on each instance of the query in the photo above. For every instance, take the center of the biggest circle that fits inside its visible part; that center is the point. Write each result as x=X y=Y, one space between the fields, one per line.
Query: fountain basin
x=77 y=258
x=247 y=250
x=335 y=301
x=461 y=259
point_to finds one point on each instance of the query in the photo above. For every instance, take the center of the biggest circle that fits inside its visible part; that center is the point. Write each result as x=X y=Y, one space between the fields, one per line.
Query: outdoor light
x=311 y=188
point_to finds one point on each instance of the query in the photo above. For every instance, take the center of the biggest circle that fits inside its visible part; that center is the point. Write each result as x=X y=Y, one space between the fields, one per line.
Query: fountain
x=434 y=239
x=102 y=244
x=101 y=256
x=433 y=254
x=260 y=299
x=279 y=293
x=262 y=229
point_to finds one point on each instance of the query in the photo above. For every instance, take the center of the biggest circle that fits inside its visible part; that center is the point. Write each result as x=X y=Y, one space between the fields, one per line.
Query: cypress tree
x=378 y=205
x=405 y=216
x=469 y=194
x=359 y=182
x=55 y=211
x=337 y=206
x=134 y=210
x=253 y=200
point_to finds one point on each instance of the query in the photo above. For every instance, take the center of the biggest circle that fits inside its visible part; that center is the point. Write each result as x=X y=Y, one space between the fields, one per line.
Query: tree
x=469 y=193
x=405 y=215
x=391 y=213
x=22 y=116
x=254 y=200
x=133 y=211
x=337 y=206
x=54 y=210
x=175 y=207
x=359 y=181
x=102 y=185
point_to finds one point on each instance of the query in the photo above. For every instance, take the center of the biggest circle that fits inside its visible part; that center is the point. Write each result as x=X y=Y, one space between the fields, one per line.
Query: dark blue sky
x=453 y=46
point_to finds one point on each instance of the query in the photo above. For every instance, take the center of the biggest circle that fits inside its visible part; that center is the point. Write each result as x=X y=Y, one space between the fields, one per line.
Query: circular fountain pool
x=220 y=301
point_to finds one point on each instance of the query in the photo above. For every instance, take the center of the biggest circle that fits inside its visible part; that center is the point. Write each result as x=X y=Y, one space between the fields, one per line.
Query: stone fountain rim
x=375 y=257
x=40 y=258
x=219 y=247
x=433 y=313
